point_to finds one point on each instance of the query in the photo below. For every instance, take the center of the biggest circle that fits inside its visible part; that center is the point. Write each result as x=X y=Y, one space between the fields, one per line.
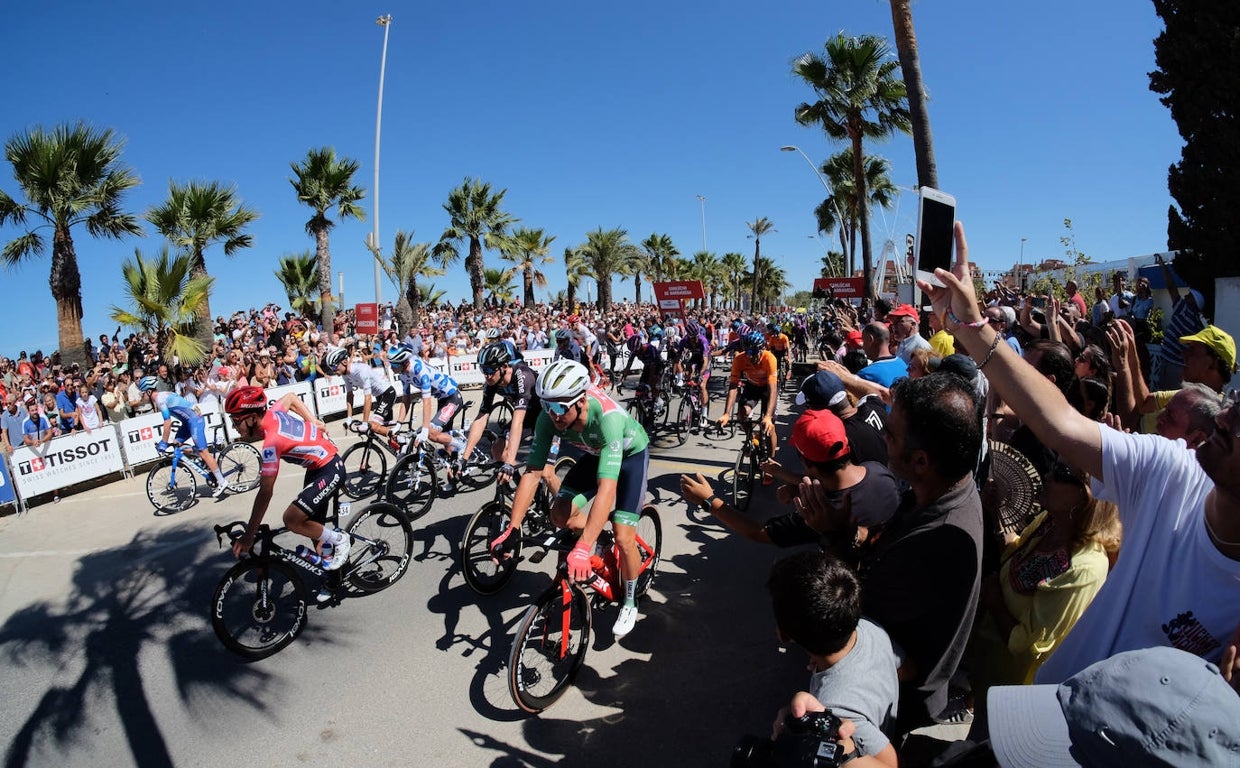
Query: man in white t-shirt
x=1177 y=582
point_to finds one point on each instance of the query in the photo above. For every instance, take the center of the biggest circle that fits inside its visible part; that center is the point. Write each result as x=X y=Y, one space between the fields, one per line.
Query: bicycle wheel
x=240 y=464
x=412 y=484
x=638 y=412
x=685 y=414
x=258 y=608
x=480 y=469
x=481 y=573
x=743 y=477
x=550 y=647
x=500 y=419
x=650 y=542
x=169 y=496
x=365 y=467
x=382 y=546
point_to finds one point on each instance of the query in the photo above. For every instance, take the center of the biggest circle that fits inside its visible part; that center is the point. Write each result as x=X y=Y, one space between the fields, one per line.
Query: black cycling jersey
x=519 y=393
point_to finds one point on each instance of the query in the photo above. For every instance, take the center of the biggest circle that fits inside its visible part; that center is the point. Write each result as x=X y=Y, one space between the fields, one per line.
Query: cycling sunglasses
x=490 y=370
x=557 y=408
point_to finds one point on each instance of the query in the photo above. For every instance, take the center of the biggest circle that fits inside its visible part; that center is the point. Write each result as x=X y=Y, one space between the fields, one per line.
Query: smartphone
x=936 y=219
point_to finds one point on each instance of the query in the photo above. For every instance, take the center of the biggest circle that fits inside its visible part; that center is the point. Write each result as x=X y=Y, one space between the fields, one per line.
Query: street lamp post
x=703 y=201
x=375 y=248
x=830 y=192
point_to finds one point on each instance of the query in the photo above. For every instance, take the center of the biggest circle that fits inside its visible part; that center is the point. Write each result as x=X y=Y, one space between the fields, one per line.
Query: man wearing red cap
x=904 y=332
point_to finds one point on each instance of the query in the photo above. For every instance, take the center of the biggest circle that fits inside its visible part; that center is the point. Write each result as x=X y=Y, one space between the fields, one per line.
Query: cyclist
x=506 y=373
x=170 y=404
x=778 y=343
x=757 y=367
x=439 y=388
x=693 y=354
x=589 y=342
x=291 y=432
x=375 y=387
x=567 y=348
x=612 y=469
x=652 y=364
x=800 y=340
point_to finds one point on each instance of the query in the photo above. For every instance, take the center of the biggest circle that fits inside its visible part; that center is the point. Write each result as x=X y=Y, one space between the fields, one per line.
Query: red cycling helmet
x=245 y=400
x=574 y=319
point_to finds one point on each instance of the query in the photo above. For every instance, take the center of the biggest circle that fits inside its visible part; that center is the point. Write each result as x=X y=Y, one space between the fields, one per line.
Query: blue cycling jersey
x=431 y=380
x=171 y=404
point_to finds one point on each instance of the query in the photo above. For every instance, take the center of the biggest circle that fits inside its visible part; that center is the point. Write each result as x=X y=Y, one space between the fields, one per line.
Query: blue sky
x=589 y=114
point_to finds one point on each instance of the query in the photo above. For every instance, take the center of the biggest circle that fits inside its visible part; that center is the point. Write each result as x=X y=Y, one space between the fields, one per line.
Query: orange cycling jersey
x=758 y=372
x=778 y=342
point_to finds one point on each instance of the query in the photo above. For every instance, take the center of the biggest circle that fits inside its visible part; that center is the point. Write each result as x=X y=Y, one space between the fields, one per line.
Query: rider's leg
x=624 y=527
x=196 y=430
x=568 y=512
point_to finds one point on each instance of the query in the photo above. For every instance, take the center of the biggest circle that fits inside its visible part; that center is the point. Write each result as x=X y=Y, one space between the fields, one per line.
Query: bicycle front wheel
x=743 y=477
x=258 y=608
x=549 y=648
x=650 y=545
x=482 y=574
x=638 y=411
x=240 y=464
x=167 y=494
x=382 y=545
x=412 y=484
x=365 y=467
x=480 y=469
x=685 y=416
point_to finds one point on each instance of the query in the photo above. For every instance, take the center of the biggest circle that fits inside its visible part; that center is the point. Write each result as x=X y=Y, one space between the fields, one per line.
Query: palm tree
x=758 y=227
x=575 y=268
x=734 y=267
x=706 y=268
x=859 y=97
x=910 y=65
x=299 y=274
x=660 y=250
x=832 y=264
x=69 y=176
x=498 y=284
x=839 y=170
x=606 y=252
x=678 y=268
x=324 y=182
x=528 y=248
x=429 y=295
x=772 y=281
x=408 y=262
x=167 y=296
x=475 y=217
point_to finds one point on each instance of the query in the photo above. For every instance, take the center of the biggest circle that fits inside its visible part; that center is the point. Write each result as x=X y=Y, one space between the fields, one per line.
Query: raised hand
x=956 y=297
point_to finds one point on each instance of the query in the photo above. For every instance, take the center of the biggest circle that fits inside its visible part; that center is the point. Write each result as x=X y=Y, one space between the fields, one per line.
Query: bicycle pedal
x=537 y=557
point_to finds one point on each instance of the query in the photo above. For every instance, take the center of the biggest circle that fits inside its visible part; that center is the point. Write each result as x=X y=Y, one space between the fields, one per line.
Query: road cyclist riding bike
x=379 y=396
x=692 y=358
x=756 y=367
x=170 y=404
x=506 y=374
x=590 y=344
x=652 y=366
x=778 y=343
x=613 y=469
x=441 y=401
x=290 y=432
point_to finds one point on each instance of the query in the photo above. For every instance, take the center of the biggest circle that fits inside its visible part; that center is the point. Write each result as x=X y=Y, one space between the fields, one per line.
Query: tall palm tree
x=575 y=269
x=706 y=268
x=919 y=116
x=299 y=274
x=475 y=217
x=832 y=264
x=408 y=262
x=197 y=215
x=758 y=227
x=166 y=296
x=528 y=248
x=734 y=267
x=839 y=169
x=430 y=295
x=660 y=250
x=859 y=97
x=325 y=182
x=606 y=252
x=68 y=176
x=677 y=268
x=772 y=281
x=498 y=283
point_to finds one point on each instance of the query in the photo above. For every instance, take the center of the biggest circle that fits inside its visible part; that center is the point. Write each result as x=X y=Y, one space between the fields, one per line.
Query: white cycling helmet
x=334 y=358
x=562 y=380
x=399 y=355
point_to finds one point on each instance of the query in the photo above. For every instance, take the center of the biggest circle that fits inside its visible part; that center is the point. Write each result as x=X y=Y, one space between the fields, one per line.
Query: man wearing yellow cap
x=1209 y=359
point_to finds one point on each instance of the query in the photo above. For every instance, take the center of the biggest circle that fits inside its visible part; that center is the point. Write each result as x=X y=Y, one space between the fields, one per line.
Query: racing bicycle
x=426 y=472
x=748 y=468
x=171 y=485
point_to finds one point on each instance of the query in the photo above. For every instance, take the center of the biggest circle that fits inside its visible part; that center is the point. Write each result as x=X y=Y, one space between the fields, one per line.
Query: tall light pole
x=375 y=248
x=703 y=201
x=830 y=192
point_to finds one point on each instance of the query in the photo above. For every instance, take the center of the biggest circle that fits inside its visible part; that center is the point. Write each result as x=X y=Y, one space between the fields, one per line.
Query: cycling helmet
x=742 y=330
x=574 y=319
x=333 y=358
x=693 y=329
x=399 y=355
x=634 y=343
x=563 y=334
x=773 y=327
x=562 y=380
x=245 y=400
x=495 y=354
x=754 y=343
x=656 y=332
x=493 y=334
x=147 y=384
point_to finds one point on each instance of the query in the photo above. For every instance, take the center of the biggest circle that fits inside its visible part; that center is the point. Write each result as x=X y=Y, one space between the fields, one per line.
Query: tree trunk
x=323 y=252
x=203 y=329
x=863 y=216
x=66 y=284
x=637 y=292
x=604 y=292
x=527 y=275
x=473 y=265
x=757 y=249
x=910 y=63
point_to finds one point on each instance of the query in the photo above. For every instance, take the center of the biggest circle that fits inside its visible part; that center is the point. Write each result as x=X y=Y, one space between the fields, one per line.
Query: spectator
x=941 y=341
x=904 y=331
x=68 y=419
x=865 y=423
x=38 y=428
x=1100 y=313
x=163 y=379
x=12 y=422
x=885 y=367
x=1003 y=319
x=1075 y=298
x=138 y=402
x=1179 y=581
x=1185 y=320
x=1120 y=302
x=87 y=406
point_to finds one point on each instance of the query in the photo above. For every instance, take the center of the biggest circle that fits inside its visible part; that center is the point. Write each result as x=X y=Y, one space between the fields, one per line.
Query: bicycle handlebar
x=235 y=530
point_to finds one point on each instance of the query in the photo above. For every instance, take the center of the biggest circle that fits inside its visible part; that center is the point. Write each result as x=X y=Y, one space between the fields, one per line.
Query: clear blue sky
x=612 y=115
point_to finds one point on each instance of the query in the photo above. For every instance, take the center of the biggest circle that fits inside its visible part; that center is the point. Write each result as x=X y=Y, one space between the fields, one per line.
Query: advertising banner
x=302 y=389
x=7 y=494
x=841 y=287
x=139 y=435
x=329 y=395
x=366 y=318
x=66 y=460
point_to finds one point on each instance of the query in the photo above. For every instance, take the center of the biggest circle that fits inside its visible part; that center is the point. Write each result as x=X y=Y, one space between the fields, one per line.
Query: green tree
x=325 y=183
x=69 y=176
x=919 y=115
x=859 y=97
x=840 y=211
x=408 y=263
x=528 y=249
x=576 y=268
x=735 y=268
x=659 y=249
x=772 y=281
x=832 y=264
x=758 y=228
x=166 y=297
x=706 y=267
x=1198 y=59
x=299 y=274
x=607 y=253
x=476 y=218
x=196 y=216
x=499 y=285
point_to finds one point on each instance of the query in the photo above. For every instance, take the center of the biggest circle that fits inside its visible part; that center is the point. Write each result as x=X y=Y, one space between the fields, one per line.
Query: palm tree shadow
x=153 y=591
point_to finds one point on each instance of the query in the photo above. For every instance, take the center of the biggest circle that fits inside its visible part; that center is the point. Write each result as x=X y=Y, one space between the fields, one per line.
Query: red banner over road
x=367 y=318
x=672 y=295
x=841 y=287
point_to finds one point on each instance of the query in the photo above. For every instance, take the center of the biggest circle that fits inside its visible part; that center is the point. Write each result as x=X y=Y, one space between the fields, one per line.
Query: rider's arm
x=772 y=387
x=167 y=428
x=366 y=406
x=514 y=435
x=261 y=500
x=294 y=405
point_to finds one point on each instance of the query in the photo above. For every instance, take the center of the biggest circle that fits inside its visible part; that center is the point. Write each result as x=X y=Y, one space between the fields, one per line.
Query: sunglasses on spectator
x=556 y=408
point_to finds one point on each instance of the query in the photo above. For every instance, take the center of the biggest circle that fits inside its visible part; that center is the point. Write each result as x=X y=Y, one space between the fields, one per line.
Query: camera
x=809 y=740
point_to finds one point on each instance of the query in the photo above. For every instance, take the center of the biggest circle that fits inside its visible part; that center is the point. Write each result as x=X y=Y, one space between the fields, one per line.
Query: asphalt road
x=109 y=658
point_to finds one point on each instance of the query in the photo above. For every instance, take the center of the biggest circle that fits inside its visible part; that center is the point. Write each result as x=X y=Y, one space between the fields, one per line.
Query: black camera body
x=809 y=740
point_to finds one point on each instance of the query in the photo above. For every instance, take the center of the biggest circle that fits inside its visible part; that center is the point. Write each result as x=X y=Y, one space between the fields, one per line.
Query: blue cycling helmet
x=147 y=384
x=399 y=355
x=754 y=342
x=656 y=332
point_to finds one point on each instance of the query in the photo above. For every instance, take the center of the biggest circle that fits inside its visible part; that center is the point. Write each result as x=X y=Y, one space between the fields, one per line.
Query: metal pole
x=340 y=278
x=386 y=23
x=703 y=200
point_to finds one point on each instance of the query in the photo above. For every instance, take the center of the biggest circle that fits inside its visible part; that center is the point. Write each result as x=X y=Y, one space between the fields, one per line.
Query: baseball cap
x=905 y=310
x=819 y=436
x=854 y=338
x=1219 y=342
x=1155 y=706
x=821 y=390
x=961 y=365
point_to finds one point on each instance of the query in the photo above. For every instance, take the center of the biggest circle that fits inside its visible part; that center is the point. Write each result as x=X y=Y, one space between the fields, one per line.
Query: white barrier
x=139 y=435
x=304 y=391
x=66 y=460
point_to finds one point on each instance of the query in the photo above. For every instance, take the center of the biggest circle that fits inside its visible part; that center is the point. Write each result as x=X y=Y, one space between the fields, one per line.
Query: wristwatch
x=708 y=504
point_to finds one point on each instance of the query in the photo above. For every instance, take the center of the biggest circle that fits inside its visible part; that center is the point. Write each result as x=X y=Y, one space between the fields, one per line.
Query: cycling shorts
x=755 y=396
x=321 y=486
x=196 y=428
x=780 y=354
x=582 y=484
x=651 y=375
x=448 y=407
x=381 y=407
